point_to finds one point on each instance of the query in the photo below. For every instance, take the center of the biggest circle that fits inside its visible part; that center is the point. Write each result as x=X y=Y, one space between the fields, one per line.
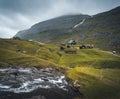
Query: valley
x=97 y=71
x=59 y=49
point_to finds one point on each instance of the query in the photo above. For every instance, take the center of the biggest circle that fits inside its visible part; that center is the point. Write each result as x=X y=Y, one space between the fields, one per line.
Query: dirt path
x=111 y=53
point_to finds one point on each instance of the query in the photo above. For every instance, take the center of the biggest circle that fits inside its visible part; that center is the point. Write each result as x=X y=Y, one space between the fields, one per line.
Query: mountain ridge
x=101 y=29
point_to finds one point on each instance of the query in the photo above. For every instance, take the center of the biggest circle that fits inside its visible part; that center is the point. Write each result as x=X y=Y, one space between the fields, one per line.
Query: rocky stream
x=33 y=83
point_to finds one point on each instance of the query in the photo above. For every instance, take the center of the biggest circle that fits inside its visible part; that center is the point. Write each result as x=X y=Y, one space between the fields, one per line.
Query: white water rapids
x=30 y=81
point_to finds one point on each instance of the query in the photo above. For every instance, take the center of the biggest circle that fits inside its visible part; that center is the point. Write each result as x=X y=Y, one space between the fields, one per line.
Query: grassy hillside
x=23 y=53
x=97 y=83
x=91 y=58
x=97 y=71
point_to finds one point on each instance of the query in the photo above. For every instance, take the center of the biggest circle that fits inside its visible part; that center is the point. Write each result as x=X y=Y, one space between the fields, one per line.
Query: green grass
x=97 y=71
x=90 y=57
x=97 y=83
x=49 y=54
x=10 y=56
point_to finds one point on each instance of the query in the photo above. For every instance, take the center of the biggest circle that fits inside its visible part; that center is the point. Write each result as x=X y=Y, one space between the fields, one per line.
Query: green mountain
x=52 y=30
x=101 y=29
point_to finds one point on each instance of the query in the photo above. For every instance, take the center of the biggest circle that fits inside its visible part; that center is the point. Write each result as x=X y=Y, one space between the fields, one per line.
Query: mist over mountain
x=101 y=29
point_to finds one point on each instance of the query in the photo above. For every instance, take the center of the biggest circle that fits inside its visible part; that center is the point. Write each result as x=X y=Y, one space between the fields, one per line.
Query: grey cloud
x=17 y=15
x=23 y=6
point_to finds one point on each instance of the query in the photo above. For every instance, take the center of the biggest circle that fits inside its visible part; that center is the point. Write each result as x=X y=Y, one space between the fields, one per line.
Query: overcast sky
x=16 y=15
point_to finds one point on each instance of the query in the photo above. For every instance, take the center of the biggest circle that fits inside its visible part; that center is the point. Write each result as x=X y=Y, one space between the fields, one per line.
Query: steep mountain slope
x=52 y=30
x=101 y=29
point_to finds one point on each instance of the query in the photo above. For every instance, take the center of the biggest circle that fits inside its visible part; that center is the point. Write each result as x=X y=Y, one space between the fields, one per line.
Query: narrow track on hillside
x=111 y=53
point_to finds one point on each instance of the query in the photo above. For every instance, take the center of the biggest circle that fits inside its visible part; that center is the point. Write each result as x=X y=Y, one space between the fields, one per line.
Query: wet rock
x=45 y=79
x=37 y=97
x=32 y=83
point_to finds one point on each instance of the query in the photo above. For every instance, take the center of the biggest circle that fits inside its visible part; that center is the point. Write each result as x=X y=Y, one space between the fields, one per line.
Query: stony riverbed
x=33 y=83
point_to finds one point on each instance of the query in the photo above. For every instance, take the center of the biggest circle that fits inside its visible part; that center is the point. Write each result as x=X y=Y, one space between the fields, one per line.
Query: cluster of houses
x=71 y=47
